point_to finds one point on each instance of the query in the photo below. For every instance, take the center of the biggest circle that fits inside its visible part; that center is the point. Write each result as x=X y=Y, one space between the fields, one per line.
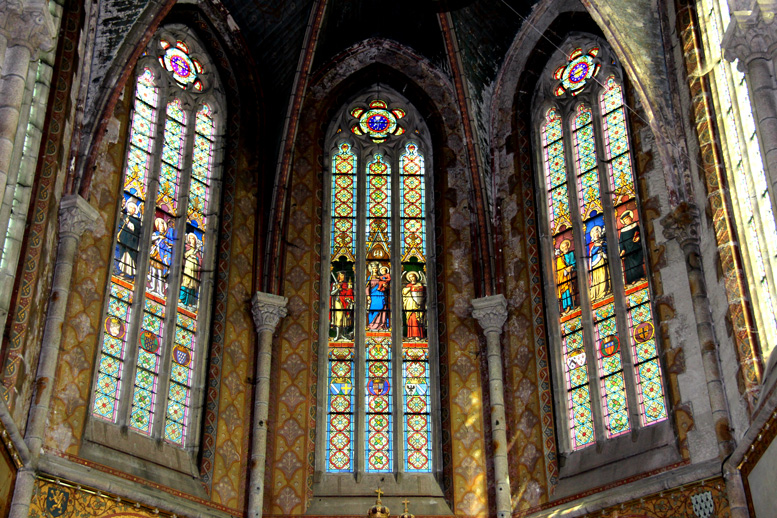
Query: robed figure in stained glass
x=414 y=303
x=342 y=307
x=565 y=269
x=631 y=249
x=378 y=284
x=128 y=239
x=161 y=255
x=600 y=271
x=192 y=260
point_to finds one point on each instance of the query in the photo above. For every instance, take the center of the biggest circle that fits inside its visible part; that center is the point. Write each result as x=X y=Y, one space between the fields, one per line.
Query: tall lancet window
x=603 y=329
x=378 y=326
x=153 y=341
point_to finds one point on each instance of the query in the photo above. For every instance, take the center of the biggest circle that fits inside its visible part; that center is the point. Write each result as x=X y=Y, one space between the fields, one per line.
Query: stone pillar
x=268 y=310
x=26 y=28
x=683 y=225
x=491 y=314
x=75 y=216
x=752 y=39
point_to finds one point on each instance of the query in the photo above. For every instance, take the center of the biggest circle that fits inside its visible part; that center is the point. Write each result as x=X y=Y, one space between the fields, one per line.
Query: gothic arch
x=371 y=62
x=234 y=276
x=528 y=366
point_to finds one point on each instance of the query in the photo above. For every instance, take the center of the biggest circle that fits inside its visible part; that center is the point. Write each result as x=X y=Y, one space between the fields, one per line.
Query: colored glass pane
x=377 y=121
x=650 y=390
x=379 y=401
x=412 y=199
x=579 y=69
x=183 y=68
x=378 y=343
x=129 y=230
x=612 y=383
x=416 y=394
x=147 y=367
x=555 y=172
x=341 y=355
x=579 y=397
x=343 y=237
x=340 y=407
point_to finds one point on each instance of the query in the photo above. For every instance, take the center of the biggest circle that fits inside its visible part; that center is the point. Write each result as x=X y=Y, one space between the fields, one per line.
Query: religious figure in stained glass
x=191 y=270
x=378 y=284
x=631 y=249
x=342 y=306
x=128 y=238
x=565 y=276
x=161 y=254
x=414 y=304
x=600 y=271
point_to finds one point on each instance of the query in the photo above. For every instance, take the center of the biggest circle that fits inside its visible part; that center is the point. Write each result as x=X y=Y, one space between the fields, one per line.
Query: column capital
x=490 y=312
x=751 y=34
x=683 y=224
x=268 y=310
x=28 y=23
x=75 y=216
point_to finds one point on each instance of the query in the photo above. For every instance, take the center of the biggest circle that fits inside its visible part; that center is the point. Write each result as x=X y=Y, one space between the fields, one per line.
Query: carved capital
x=268 y=310
x=75 y=216
x=751 y=34
x=490 y=312
x=27 y=23
x=683 y=224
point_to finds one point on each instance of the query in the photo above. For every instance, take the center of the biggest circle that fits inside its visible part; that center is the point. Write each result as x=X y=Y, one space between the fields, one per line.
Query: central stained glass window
x=379 y=341
x=605 y=328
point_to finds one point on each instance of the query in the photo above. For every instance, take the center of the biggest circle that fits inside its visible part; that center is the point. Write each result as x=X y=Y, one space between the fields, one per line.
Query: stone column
x=491 y=314
x=752 y=39
x=75 y=216
x=26 y=28
x=683 y=225
x=268 y=310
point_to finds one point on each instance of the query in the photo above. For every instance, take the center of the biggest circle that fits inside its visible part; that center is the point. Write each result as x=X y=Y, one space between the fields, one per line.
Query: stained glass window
x=150 y=339
x=601 y=287
x=379 y=372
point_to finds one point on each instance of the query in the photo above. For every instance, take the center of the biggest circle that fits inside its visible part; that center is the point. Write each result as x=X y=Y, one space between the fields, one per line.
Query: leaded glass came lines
x=378 y=345
x=341 y=387
x=613 y=387
x=579 y=397
x=185 y=340
x=555 y=172
x=118 y=319
x=649 y=382
x=416 y=395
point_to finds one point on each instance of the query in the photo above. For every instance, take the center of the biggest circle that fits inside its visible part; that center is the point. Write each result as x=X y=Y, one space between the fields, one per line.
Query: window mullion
x=396 y=315
x=359 y=317
x=583 y=280
x=616 y=274
x=131 y=362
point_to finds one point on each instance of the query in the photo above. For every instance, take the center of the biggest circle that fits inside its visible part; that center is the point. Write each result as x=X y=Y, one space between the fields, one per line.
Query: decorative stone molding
x=268 y=310
x=683 y=224
x=752 y=34
x=490 y=312
x=75 y=216
x=27 y=23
